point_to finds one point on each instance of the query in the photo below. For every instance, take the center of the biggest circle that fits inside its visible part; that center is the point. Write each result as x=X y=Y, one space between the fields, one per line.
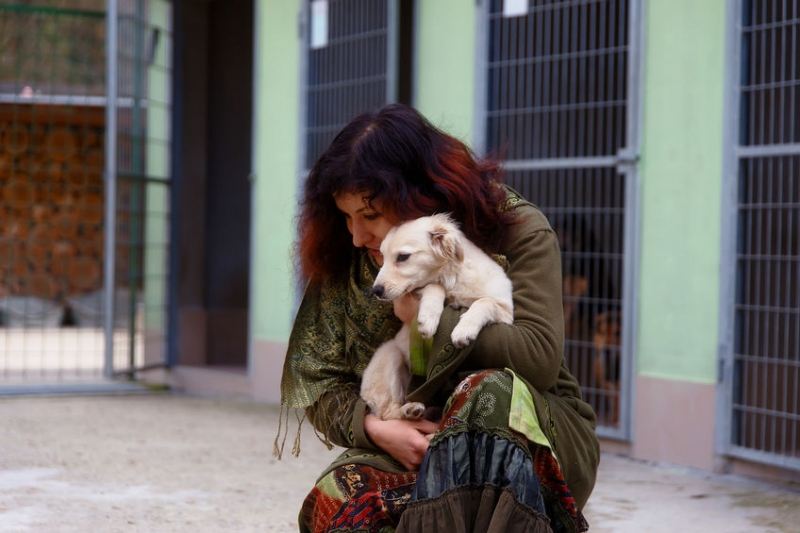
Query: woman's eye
x=402 y=257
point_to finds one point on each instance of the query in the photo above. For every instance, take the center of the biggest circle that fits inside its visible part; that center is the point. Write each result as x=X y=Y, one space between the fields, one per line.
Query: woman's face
x=365 y=221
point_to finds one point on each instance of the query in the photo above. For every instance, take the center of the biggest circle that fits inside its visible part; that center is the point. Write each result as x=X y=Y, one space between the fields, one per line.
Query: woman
x=512 y=446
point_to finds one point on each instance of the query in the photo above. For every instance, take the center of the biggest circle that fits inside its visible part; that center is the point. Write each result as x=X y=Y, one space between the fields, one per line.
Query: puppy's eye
x=402 y=257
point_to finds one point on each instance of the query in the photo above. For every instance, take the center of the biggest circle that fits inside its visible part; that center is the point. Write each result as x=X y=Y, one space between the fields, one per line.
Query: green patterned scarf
x=337 y=329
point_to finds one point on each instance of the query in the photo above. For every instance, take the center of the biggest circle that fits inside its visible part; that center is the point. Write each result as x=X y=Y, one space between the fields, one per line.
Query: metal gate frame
x=152 y=337
x=625 y=163
x=79 y=378
x=733 y=152
x=110 y=177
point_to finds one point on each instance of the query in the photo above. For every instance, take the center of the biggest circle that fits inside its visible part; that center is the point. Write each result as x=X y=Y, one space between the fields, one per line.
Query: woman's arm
x=332 y=415
x=320 y=371
x=533 y=346
x=337 y=415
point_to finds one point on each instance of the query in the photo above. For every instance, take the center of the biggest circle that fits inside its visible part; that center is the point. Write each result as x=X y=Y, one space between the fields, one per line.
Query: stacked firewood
x=51 y=200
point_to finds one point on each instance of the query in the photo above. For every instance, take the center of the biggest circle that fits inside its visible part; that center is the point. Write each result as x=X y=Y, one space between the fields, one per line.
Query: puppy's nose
x=378 y=291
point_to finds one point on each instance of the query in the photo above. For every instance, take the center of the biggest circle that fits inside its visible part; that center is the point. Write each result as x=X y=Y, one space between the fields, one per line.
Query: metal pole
x=392 y=46
x=110 y=177
x=139 y=171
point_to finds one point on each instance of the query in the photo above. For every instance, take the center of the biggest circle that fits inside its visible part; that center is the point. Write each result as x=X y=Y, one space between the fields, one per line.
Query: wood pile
x=51 y=200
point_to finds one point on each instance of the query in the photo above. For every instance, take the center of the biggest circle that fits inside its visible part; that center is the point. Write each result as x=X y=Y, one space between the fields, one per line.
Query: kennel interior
x=54 y=212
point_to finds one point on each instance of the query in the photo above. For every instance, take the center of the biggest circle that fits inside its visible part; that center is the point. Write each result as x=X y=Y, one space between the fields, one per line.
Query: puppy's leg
x=413 y=410
x=431 y=304
x=409 y=411
x=377 y=397
x=482 y=312
x=384 y=381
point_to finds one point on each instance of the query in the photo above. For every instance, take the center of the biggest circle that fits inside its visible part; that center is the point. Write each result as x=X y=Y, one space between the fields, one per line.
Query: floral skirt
x=489 y=468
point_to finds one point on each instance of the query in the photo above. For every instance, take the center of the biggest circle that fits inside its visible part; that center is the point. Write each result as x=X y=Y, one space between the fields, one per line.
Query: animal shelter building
x=152 y=151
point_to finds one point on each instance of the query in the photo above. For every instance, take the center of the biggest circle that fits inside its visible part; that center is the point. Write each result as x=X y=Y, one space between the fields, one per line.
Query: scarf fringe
x=277 y=449
x=323 y=439
x=283 y=432
x=296 y=444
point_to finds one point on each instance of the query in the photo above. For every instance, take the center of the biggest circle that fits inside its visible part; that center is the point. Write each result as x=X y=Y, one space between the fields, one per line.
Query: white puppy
x=432 y=256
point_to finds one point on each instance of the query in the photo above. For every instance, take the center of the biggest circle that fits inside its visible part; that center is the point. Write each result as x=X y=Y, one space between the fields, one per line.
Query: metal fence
x=73 y=296
x=138 y=176
x=351 y=60
x=761 y=297
x=51 y=213
x=560 y=105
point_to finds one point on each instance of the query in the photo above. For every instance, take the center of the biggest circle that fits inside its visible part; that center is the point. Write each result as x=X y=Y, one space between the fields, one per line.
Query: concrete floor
x=169 y=463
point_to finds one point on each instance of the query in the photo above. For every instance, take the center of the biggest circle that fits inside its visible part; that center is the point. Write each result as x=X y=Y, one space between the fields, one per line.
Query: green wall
x=681 y=173
x=157 y=166
x=277 y=88
x=446 y=65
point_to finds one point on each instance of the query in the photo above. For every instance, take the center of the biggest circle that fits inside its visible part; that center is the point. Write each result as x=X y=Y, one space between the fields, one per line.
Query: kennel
x=560 y=82
x=84 y=149
x=759 y=356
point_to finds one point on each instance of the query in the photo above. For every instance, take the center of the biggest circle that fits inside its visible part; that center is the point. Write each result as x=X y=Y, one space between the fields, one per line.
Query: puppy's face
x=414 y=254
x=608 y=330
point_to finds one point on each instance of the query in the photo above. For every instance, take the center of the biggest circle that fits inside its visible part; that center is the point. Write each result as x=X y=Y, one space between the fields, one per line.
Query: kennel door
x=559 y=100
x=759 y=354
x=350 y=54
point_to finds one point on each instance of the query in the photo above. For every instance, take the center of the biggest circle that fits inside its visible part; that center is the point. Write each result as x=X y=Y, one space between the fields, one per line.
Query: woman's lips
x=377 y=255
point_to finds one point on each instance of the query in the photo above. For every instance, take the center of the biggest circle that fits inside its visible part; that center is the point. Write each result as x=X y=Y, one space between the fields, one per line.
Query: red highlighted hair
x=410 y=168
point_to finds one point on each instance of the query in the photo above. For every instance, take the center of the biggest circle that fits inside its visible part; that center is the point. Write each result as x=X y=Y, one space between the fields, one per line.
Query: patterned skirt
x=489 y=468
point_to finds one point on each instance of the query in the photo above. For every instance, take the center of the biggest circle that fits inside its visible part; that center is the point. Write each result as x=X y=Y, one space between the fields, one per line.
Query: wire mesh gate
x=138 y=177
x=351 y=57
x=57 y=261
x=760 y=309
x=560 y=104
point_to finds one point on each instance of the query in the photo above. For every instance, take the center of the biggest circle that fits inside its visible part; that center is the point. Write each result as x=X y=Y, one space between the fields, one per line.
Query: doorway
x=214 y=60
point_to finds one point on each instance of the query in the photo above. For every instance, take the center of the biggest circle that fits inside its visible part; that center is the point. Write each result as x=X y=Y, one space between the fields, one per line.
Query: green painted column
x=276 y=131
x=157 y=166
x=445 y=76
x=681 y=174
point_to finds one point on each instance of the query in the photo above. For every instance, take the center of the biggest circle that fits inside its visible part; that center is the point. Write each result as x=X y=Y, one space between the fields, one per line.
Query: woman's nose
x=361 y=236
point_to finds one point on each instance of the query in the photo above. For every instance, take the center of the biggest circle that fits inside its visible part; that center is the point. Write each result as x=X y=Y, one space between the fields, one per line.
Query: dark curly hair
x=410 y=168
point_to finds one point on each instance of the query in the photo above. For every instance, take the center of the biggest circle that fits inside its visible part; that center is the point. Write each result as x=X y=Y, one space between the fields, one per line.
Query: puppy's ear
x=445 y=241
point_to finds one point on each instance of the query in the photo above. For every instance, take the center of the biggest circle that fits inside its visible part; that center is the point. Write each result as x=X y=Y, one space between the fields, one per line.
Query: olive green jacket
x=533 y=347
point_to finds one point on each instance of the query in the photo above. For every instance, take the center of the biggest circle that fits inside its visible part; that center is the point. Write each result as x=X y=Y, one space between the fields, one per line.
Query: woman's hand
x=406 y=307
x=405 y=440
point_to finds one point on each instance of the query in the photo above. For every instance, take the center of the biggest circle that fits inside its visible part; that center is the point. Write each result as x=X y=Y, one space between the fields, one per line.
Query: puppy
x=606 y=342
x=431 y=256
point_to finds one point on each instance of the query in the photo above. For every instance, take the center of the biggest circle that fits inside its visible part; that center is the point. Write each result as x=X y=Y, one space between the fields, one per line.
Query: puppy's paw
x=413 y=410
x=463 y=335
x=427 y=323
